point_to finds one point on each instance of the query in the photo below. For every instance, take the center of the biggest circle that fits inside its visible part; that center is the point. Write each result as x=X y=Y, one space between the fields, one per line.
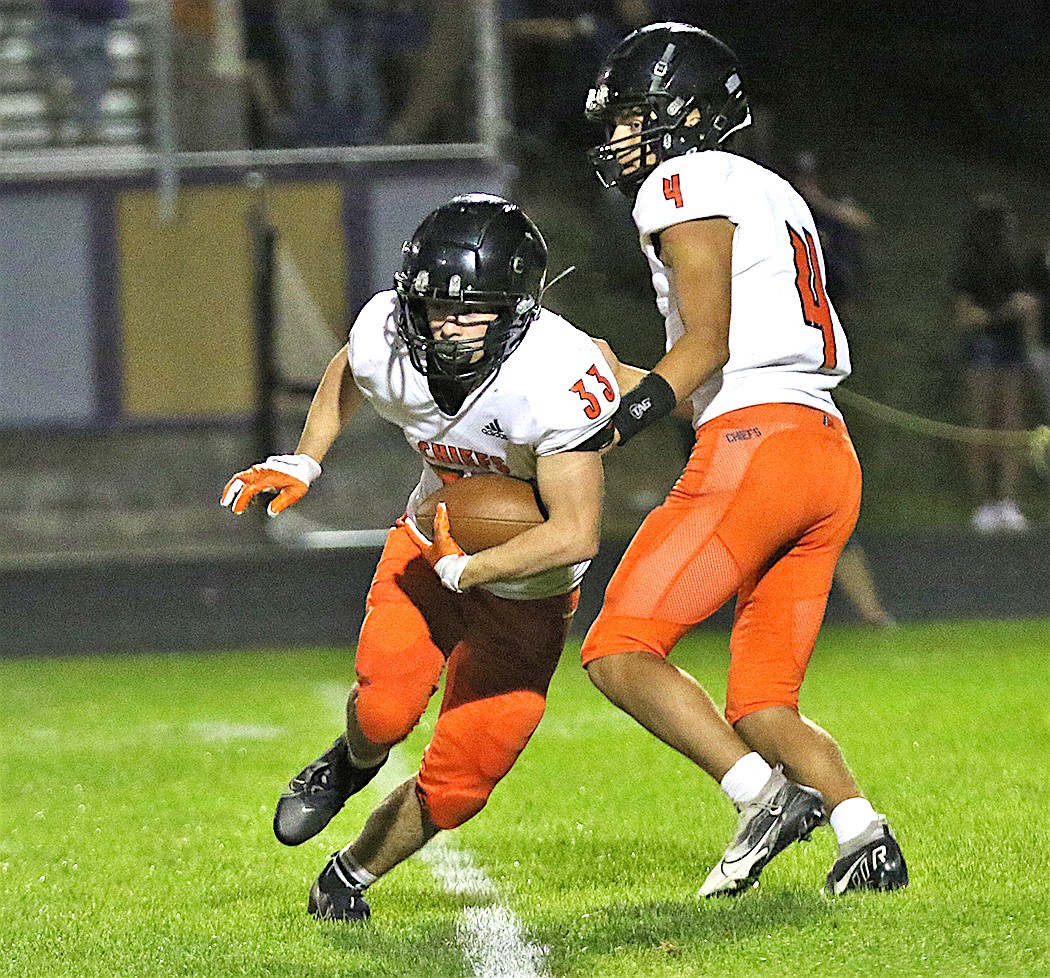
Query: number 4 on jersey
x=815 y=308
x=673 y=189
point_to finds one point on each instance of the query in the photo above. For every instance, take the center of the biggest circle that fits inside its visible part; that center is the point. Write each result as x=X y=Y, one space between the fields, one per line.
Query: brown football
x=483 y=510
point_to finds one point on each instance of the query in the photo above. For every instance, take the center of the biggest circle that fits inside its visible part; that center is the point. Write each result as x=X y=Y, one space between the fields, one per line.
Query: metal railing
x=160 y=156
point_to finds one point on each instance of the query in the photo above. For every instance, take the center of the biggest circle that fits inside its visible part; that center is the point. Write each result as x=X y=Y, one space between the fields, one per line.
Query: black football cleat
x=317 y=793
x=783 y=812
x=335 y=897
x=873 y=861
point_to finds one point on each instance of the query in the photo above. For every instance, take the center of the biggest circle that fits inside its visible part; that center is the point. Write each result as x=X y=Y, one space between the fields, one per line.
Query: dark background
x=911 y=110
x=970 y=75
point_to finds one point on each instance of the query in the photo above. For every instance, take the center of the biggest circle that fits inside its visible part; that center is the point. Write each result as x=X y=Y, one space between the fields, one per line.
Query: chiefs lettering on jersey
x=446 y=455
x=552 y=393
x=785 y=340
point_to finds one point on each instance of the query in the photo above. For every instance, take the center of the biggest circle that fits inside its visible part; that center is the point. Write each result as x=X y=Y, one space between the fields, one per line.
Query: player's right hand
x=289 y=476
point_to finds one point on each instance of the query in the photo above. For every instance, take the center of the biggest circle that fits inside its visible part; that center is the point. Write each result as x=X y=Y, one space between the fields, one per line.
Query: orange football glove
x=287 y=475
x=442 y=553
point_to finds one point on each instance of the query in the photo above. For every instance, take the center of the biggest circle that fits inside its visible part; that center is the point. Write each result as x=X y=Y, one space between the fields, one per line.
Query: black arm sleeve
x=651 y=400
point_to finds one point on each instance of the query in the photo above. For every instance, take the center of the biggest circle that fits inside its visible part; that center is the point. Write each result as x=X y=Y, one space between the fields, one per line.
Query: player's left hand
x=442 y=553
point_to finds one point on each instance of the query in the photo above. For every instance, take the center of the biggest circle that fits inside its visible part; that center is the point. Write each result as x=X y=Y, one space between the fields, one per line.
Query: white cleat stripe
x=843 y=884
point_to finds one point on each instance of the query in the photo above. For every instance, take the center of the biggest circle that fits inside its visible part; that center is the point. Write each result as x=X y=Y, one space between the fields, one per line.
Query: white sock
x=851 y=817
x=745 y=780
x=352 y=872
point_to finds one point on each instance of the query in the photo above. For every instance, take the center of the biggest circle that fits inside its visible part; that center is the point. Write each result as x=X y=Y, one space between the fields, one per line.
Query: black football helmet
x=665 y=72
x=480 y=253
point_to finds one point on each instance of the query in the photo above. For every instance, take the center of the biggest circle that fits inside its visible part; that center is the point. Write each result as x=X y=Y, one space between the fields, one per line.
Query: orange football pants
x=767 y=501
x=500 y=657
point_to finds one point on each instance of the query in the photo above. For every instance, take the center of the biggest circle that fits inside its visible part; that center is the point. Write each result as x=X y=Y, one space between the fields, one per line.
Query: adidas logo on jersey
x=493 y=430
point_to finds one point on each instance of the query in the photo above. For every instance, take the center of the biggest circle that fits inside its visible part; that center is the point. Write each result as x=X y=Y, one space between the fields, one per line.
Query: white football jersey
x=786 y=343
x=552 y=393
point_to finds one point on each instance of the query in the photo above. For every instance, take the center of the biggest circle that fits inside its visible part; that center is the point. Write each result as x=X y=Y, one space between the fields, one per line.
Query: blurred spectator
x=208 y=100
x=853 y=576
x=843 y=228
x=71 y=45
x=333 y=69
x=1039 y=351
x=556 y=48
x=433 y=71
x=998 y=319
x=269 y=119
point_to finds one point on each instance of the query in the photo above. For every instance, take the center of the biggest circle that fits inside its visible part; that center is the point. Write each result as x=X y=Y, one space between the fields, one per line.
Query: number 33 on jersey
x=592 y=406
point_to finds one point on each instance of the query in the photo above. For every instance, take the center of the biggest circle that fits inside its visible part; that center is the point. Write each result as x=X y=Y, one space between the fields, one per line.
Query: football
x=483 y=510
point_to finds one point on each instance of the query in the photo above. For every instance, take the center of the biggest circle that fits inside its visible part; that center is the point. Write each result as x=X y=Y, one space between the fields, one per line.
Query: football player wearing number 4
x=479 y=377
x=771 y=491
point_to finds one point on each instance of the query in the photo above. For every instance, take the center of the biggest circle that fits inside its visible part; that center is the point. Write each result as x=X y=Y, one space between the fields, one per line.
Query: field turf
x=137 y=794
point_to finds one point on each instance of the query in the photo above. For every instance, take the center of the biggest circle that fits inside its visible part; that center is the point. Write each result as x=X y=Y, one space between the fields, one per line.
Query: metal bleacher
x=25 y=120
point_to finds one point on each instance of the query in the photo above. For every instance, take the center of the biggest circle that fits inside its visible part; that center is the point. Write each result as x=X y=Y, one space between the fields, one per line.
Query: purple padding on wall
x=47 y=316
x=105 y=271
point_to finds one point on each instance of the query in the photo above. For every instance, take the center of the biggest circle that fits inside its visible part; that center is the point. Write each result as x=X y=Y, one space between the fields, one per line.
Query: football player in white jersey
x=480 y=378
x=771 y=491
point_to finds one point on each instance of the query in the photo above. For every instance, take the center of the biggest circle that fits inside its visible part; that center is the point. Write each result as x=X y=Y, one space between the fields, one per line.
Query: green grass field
x=138 y=791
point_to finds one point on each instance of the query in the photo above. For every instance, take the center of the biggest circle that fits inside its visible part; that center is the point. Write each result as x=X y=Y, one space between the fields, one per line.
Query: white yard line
x=492 y=940
x=490 y=935
x=206 y=731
